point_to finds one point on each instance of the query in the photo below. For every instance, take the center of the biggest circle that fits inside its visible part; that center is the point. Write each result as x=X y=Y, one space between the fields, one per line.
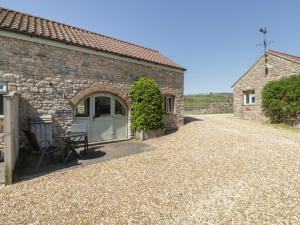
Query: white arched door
x=103 y=116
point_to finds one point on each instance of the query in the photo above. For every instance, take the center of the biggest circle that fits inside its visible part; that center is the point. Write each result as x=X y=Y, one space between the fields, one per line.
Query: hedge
x=147 y=107
x=281 y=100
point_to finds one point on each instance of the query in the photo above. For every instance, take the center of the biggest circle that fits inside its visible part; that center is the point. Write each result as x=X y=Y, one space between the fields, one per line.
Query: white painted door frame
x=102 y=124
x=103 y=127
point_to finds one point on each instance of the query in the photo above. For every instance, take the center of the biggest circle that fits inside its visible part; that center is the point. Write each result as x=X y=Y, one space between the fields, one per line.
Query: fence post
x=11 y=134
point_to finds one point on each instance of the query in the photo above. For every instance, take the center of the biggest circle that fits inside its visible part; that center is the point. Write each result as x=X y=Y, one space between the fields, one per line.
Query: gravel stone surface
x=215 y=170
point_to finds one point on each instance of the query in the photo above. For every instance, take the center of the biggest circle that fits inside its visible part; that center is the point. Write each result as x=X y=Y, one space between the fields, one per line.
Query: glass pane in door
x=119 y=108
x=102 y=106
x=83 y=108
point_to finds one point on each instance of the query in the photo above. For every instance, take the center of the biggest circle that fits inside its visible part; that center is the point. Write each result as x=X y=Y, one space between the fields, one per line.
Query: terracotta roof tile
x=285 y=55
x=31 y=24
x=24 y=24
x=17 y=21
x=27 y=24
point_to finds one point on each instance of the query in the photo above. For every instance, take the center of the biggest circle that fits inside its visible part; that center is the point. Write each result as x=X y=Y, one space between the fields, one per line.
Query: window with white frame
x=169 y=104
x=2 y=92
x=249 y=97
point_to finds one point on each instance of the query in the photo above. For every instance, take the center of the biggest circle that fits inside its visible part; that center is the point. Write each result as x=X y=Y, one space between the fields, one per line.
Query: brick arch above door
x=99 y=89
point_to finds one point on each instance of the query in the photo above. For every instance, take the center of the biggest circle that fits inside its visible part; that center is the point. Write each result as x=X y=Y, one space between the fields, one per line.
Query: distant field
x=203 y=99
x=208 y=103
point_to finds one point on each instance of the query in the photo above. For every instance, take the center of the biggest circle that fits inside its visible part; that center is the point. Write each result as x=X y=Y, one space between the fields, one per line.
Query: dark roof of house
x=12 y=20
x=276 y=53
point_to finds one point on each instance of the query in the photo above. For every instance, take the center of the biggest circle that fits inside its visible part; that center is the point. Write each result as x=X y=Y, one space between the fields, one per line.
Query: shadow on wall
x=170 y=121
x=60 y=117
x=27 y=113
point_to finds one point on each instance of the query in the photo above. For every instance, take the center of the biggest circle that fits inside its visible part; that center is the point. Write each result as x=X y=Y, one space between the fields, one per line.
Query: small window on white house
x=2 y=92
x=169 y=104
x=249 y=97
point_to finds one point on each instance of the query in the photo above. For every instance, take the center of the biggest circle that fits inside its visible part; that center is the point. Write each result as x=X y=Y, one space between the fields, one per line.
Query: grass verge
x=283 y=126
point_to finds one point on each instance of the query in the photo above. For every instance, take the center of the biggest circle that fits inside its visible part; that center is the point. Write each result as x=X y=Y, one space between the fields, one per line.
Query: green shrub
x=281 y=99
x=147 y=109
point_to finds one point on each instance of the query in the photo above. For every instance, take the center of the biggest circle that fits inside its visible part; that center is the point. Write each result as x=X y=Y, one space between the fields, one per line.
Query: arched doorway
x=103 y=115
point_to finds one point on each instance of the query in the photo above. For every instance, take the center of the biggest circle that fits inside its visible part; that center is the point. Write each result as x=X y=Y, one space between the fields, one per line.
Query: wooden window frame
x=169 y=110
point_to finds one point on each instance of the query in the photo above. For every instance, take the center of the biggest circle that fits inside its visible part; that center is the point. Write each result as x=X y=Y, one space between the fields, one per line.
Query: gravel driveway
x=215 y=170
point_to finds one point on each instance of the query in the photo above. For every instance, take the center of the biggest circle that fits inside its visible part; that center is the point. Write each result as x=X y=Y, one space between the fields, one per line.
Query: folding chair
x=46 y=150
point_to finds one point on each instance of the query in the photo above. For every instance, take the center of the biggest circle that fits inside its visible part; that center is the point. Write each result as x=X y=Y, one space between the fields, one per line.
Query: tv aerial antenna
x=264 y=32
x=265 y=44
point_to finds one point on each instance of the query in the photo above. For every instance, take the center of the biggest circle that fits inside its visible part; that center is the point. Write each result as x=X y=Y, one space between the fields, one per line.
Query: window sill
x=249 y=104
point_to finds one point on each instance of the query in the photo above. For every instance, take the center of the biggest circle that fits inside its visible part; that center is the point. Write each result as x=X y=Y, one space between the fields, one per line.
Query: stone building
x=80 y=78
x=247 y=90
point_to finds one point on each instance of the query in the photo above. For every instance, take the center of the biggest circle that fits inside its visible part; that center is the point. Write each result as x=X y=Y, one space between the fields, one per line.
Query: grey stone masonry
x=255 y=79
x=48 y=77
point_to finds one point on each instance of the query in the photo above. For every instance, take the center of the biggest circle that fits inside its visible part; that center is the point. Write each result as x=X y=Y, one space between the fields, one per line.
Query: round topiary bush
x=147 y=109
x=281 y=99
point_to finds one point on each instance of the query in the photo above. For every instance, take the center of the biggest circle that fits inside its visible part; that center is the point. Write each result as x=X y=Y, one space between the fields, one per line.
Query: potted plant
x=147 y=109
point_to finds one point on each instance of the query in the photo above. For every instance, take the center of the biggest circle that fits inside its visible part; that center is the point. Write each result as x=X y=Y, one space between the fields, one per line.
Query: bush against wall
x=281 y=100
x=147 y=107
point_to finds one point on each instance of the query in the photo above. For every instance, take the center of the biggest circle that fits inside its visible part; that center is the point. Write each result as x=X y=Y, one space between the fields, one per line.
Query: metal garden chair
x=44 y=147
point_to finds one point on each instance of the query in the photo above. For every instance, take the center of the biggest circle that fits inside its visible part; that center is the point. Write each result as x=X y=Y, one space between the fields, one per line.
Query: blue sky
x=215 y=40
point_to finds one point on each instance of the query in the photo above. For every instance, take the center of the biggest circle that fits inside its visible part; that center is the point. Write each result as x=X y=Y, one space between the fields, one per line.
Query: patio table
x=71 y=141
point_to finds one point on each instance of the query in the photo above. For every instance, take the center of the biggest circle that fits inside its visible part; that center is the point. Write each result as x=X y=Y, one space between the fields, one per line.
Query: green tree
x=147 y=109
x=281 y=99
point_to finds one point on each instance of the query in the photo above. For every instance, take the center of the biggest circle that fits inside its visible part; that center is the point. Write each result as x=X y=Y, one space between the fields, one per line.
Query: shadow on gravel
x=189 y=119
x=170 y=131
x=26 y=168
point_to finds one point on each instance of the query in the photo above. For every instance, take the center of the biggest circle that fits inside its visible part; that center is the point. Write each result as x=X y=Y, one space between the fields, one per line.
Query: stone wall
x=255 y=79
x=48 y=77
x=217 y=107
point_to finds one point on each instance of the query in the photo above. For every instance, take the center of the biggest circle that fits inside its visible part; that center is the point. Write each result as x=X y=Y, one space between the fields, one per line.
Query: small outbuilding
x=247 y=90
